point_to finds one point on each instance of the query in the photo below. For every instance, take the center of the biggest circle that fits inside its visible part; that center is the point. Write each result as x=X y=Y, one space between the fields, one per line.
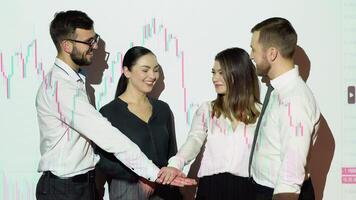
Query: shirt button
x=149 y=179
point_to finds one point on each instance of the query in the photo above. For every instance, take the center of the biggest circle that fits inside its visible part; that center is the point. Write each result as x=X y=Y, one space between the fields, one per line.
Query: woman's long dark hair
x=130 y=59
x=242 y=88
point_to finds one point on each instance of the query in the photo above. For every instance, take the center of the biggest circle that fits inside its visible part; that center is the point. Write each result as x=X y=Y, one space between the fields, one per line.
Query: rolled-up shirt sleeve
x=74 y=109
x=297 y=124
x=196 y=137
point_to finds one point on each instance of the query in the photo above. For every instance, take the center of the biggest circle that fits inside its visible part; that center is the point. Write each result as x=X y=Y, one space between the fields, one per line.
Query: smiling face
x=82 y=54
x=218 y=79
x=143 y=74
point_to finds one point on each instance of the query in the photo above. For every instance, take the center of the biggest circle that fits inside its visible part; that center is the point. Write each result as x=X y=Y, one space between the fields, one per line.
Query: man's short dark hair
x=64 y=24
x=277 y=32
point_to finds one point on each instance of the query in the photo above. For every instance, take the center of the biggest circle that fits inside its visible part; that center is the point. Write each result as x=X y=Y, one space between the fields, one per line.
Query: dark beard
x=264 y=71
x=78 y=59
x=263 y=68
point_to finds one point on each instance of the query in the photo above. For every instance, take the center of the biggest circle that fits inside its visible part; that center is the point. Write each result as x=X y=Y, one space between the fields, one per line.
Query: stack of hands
x=167 y=175
x=175 y=177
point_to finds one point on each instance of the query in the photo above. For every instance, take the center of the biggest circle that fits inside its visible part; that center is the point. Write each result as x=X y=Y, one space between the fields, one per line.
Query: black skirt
x=225 y=186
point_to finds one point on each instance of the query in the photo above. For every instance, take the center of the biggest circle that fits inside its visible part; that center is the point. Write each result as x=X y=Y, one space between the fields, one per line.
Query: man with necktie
x=289 y=117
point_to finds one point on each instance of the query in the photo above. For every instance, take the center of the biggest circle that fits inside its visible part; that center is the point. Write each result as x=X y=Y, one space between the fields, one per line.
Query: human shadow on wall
x=302 y=60
x=94 y=76
x=320 y=154
x=95 y=71
x=159 y=86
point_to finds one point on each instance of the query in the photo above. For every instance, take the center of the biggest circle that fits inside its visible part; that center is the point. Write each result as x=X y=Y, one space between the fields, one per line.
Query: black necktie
x=265 y=103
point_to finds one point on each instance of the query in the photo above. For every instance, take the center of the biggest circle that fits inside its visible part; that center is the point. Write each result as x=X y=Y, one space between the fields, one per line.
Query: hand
x=175 y=177
x=167 y=174
x=147 y=187
x=183 y=181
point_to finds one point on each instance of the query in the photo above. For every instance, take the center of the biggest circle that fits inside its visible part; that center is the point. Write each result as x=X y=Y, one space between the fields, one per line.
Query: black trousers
x=80 y=187
x=266 y=193
x=224 y=186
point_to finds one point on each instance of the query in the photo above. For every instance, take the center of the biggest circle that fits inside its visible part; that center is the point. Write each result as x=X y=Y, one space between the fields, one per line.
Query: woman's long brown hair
x=242 y=88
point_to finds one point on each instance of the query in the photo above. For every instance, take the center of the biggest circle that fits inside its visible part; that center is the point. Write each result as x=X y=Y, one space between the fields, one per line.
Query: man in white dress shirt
x=68 y=122
x=290 y=119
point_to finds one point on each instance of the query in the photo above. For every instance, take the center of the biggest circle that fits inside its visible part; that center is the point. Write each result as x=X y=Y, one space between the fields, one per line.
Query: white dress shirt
x=67 y=123
x=285 y=135
x=225 y=150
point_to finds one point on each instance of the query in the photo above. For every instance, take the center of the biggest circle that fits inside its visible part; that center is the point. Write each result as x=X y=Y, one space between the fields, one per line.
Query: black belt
x=77 y=178
x=261 y=188
x=264 y=189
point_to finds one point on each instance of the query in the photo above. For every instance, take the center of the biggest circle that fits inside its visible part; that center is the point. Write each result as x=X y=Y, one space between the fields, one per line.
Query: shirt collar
x=78 y=77
x=153 y=102
x=285 y=80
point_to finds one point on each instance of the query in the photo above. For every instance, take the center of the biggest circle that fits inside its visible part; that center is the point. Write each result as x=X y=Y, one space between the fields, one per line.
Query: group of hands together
x=166 y=176
x=175 y=177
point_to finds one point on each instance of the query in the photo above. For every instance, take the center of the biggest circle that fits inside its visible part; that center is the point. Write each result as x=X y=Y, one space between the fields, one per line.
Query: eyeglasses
x=90 y=43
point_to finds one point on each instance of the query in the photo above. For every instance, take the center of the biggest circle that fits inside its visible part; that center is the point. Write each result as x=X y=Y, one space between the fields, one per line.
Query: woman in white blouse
x=225 y=127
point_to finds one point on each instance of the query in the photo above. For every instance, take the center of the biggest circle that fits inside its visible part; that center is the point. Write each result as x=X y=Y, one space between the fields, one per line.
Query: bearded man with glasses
x=68 y=123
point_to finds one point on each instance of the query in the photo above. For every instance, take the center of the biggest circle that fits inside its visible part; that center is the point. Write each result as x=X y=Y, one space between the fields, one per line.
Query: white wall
x=326 y=31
